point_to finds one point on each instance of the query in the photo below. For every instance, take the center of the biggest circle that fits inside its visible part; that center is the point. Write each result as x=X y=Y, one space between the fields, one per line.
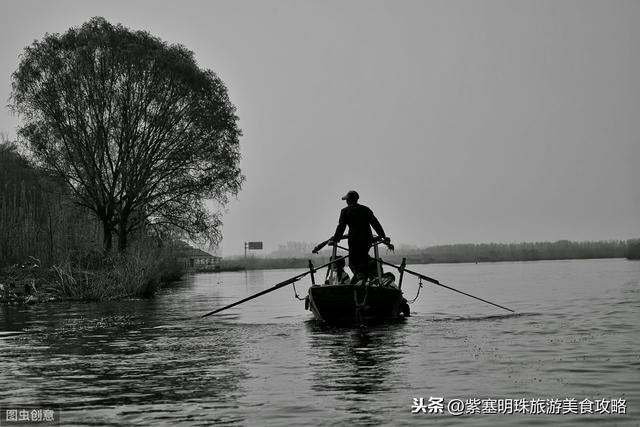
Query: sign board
x=254 y=245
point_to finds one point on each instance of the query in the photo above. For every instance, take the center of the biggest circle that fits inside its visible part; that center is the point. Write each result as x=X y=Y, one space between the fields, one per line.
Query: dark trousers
x=359 y=260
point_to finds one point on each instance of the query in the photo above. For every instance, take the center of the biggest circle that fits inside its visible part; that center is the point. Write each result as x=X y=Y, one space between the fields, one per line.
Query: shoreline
x=297 y=263
x=21 y=286
x=41 y=287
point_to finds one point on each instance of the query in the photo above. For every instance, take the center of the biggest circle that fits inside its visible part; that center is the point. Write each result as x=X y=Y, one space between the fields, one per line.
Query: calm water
x=155 y=362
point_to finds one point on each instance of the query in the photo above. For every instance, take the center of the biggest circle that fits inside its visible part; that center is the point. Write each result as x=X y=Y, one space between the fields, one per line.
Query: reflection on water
x=351 y=362
x=156 y=362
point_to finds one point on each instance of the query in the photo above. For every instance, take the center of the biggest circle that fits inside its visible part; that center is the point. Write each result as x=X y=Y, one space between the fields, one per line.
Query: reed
x=37 y=218
x=138 y=273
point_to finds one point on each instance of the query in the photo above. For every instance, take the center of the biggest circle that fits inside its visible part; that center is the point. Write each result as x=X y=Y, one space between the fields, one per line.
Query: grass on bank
x=139 y=273
x=52 y=248
x=136 y=274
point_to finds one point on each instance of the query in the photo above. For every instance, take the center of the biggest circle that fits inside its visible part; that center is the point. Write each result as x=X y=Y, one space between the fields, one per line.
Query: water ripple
x=157 y=362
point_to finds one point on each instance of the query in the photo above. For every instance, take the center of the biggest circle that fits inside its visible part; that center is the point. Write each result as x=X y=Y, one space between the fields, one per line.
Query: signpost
x=250 y=246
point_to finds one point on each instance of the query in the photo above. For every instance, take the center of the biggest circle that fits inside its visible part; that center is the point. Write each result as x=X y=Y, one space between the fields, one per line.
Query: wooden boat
x=356 y=303
x=379 y=298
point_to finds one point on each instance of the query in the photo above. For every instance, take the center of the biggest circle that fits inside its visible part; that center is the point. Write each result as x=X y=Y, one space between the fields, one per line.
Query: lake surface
x=575 y=336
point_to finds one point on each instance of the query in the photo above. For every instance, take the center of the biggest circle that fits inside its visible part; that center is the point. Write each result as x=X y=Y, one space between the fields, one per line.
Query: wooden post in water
x=401 y=269
x=313 y=277
x=378 y=265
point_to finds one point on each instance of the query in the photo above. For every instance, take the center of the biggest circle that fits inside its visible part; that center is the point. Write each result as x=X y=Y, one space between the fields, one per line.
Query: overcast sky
x=456 y=121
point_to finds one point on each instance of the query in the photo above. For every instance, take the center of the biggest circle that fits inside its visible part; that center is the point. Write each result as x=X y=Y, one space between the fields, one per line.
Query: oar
x=435 y=282
x=273 y=288
x=323 y=244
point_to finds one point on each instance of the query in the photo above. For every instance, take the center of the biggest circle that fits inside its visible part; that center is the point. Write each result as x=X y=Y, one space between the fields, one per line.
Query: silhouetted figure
x=359 y=219
x=340 y=276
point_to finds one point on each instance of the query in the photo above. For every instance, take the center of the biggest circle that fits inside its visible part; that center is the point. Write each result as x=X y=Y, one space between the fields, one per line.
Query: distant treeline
x=483 y=252
x=259 y=263
x=537 y=251
x=633 y=249
x=291 y=250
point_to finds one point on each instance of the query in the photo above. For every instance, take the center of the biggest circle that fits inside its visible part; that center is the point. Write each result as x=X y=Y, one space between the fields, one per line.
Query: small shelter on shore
x=195 y=259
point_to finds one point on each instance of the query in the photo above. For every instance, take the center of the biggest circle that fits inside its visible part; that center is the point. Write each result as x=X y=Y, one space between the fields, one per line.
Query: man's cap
x=351 y=195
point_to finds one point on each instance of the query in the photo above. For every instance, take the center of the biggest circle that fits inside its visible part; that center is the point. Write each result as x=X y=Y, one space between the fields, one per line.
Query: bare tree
x=141 y=135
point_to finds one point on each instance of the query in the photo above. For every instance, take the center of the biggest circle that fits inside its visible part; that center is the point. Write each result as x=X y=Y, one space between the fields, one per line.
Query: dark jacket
x=360 y=219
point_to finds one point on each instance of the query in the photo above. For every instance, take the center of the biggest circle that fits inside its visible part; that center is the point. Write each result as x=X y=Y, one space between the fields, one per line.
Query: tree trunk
x=122 y=236
x=106 y=237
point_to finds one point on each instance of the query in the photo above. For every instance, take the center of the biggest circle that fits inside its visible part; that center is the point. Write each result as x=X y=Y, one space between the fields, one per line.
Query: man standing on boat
x=359 y=219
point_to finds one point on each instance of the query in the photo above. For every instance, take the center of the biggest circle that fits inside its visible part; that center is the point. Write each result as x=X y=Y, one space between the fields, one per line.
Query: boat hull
x=356 y=303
